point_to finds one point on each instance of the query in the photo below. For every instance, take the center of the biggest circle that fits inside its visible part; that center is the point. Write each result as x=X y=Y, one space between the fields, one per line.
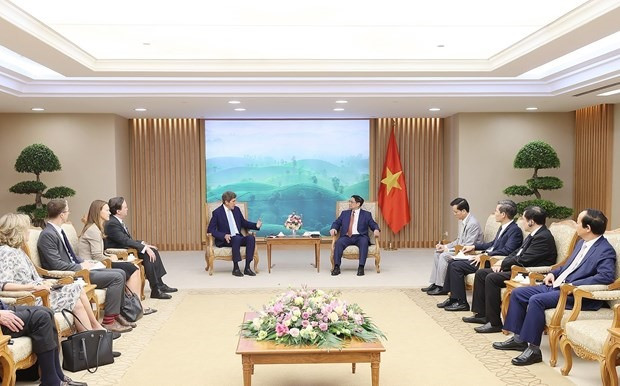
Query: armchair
x=352 y=251
x=490 y=230
x=212 y=252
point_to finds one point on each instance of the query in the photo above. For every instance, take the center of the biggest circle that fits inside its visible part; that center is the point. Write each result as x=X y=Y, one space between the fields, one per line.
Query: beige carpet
x=192 y=341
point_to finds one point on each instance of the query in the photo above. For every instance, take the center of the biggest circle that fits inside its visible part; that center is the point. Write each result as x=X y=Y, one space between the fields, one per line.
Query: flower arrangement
x=311 y=317
x=293 y=221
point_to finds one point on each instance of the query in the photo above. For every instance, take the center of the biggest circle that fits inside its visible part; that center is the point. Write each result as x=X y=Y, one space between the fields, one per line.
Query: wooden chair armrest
x=378 y=242
x=26 y=301
x=210 y=241
x=44 y=295
x=565 y=290
x=517 y=269
x=84 y=274
x=484 y=258
x=121 y=253
x=65 y=280
x=615 y=285
x=4 y=341
x=107 y=262
x=14 y=294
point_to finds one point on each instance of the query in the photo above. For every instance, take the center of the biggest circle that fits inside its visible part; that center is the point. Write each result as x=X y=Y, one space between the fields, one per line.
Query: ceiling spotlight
x=338 y=109
x=240 y=109
x=37 y=109
x=234 y=102
x=531 y=108
x=140 y=109
x=440 y=46
x=434 y=109
x=342 y=101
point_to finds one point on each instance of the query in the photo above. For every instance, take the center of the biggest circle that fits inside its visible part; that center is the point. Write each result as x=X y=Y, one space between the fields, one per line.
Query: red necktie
x=350 y=231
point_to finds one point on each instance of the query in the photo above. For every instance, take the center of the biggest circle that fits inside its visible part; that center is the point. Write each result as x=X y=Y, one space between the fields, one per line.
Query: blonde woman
x=17 y=273
x=91 y=246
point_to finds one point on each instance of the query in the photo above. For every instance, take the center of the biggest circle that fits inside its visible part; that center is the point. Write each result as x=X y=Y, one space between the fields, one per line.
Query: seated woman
x=38 y=324
x=91 y=247
x=17 y=273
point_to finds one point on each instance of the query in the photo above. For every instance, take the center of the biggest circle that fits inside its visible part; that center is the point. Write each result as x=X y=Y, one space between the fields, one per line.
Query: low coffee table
x=261 y=353
x=287 y=240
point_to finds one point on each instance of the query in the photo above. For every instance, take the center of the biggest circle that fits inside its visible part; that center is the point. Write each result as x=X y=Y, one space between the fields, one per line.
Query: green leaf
x=27 y=187
x=518 y=190
x=537 y=154
x=59 y=192
x=553 y=211
x=545 y=183
x=37 y=158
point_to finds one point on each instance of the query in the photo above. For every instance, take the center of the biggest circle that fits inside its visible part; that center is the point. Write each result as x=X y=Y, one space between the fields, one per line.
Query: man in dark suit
x=353 y=226
x=57 y=254
x=537 y=249
x=225 y=226
x=593 y=261
x=508 y=238
x=118 y=236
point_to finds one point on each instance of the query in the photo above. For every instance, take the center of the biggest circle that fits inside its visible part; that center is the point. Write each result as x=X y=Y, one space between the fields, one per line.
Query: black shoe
x=430 y=287
x=446 y=303
x=156 y=294
x=527 y=357
x=116 y=354
x=360 y=271
x=475 y=319
x=248 y=271
x=237 y=272
x=437 y=291
x=457 y=306
x=510 y=344
x=336 y=271
x=166 y=289
x=487 y=328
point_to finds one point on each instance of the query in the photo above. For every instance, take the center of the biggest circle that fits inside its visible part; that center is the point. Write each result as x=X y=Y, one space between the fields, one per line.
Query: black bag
x=132 y=307
x=87 y=349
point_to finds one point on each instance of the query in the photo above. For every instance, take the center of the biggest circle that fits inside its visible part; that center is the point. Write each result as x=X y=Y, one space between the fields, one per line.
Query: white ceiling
x=284 y=59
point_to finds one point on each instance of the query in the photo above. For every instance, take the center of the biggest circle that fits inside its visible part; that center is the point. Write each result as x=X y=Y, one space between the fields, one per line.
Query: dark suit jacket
x=508 y=242
x=218 y=226
x=538 y=250
x=363 y=223
x=118 y=237
x=52 y=251
x=597 y=267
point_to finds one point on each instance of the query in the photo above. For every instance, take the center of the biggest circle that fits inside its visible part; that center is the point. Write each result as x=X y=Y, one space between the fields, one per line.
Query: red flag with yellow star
x=393 y=199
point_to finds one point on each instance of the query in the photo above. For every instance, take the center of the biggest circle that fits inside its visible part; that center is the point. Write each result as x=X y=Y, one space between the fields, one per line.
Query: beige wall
x=93 y=150
x=486 y=144
x=615 y=187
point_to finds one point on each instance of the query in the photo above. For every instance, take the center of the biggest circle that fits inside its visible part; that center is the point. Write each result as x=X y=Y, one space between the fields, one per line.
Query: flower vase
x=294 y=234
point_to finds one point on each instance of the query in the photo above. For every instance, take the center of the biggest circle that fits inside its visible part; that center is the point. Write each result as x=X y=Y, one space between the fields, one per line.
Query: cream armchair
x=213 y=252
x=352 y=252
x=490 y=230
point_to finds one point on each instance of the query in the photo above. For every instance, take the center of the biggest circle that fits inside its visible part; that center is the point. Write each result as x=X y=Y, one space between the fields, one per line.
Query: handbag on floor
x=87 y=349
x=132 y=306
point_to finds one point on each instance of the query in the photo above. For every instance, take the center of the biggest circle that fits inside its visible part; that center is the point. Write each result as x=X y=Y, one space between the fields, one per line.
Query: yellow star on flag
x=391 y=180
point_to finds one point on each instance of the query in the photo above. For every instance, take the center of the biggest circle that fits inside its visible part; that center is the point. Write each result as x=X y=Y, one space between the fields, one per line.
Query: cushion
x=21 y=348
x=603 y=313
x=100 y=295
x=490 y=229
x=62 y=322
x=226 y=252
x=354 y=250
x=589 y=334
x=33 y=239
x=564 y=234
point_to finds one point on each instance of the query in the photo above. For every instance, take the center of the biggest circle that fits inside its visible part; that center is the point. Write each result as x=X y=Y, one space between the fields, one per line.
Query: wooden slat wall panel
x=593 y=158
x=167 y=184
x=420 y=145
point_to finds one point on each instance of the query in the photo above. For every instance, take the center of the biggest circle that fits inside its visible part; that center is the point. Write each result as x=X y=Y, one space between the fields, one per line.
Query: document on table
x=461 y=256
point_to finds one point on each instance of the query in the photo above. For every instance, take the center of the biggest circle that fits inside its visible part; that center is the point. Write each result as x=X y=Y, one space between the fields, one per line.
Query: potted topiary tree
x=37 y=159
x=538 y=155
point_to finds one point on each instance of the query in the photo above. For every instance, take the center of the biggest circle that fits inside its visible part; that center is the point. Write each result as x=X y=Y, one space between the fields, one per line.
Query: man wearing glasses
x=353 y=225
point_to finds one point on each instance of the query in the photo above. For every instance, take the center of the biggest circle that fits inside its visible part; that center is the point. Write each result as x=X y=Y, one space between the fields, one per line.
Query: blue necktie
x=72 y=255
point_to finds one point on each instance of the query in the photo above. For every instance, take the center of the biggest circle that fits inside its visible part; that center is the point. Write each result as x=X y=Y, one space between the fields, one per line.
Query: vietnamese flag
x=393 y=199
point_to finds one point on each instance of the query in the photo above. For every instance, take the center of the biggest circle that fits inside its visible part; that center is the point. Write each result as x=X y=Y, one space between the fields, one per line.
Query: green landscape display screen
x=283 y=166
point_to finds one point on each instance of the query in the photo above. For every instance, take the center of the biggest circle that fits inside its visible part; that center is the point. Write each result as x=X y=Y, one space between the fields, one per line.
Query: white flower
x=256 y=323
x=294 y=332
x=299 y=301
x=297 y=312
x=262 y=334
x=294 y=318
x=287 y=322
x=333 y=317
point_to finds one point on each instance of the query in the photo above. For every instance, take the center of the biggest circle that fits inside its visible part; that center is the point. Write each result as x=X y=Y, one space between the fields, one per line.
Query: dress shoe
x=510 y=344
x=166 y=289
x=360 y=271
x=458 y=306
x=446 y=303
x=125 y=322
x=475 y=319
x=528 y=357
x=487 y=328
x=336 y=271
x=116 y=354
x=71 y=382
x=116 y=327
x=430 y=287
x=248 y=271
x=437 y=291
x=156 y=294
x=237 y=272
x=149 y=311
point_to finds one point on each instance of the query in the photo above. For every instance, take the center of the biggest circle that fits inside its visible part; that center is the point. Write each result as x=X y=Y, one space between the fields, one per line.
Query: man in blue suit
x=593 y=261
x=508 y=238
x=225 y=226
x=353 y=226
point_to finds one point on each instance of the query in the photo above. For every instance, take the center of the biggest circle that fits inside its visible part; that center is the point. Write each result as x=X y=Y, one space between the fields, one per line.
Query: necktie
x=68 y=247
x=350 y=231
x=126 y=230
x=499 y=231
x=231 y=223
x=572 y=267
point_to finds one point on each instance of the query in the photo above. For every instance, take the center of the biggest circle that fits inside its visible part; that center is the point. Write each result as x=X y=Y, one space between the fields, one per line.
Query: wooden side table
x=316 y=241
x=611 y=353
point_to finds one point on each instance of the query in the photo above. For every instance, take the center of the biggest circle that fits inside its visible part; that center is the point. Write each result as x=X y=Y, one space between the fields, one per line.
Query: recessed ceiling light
x=531 y=108
x=146 y=44
x=440 y=46
x=434 y=109
x=342 y=101
x=37 y=109
x=141 y=109
x=608 y=93
x=234 y=102
x=240 y=109
x=338 y=109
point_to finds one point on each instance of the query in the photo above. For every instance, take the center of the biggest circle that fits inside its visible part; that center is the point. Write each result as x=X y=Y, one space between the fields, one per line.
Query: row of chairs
x=212 y=252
